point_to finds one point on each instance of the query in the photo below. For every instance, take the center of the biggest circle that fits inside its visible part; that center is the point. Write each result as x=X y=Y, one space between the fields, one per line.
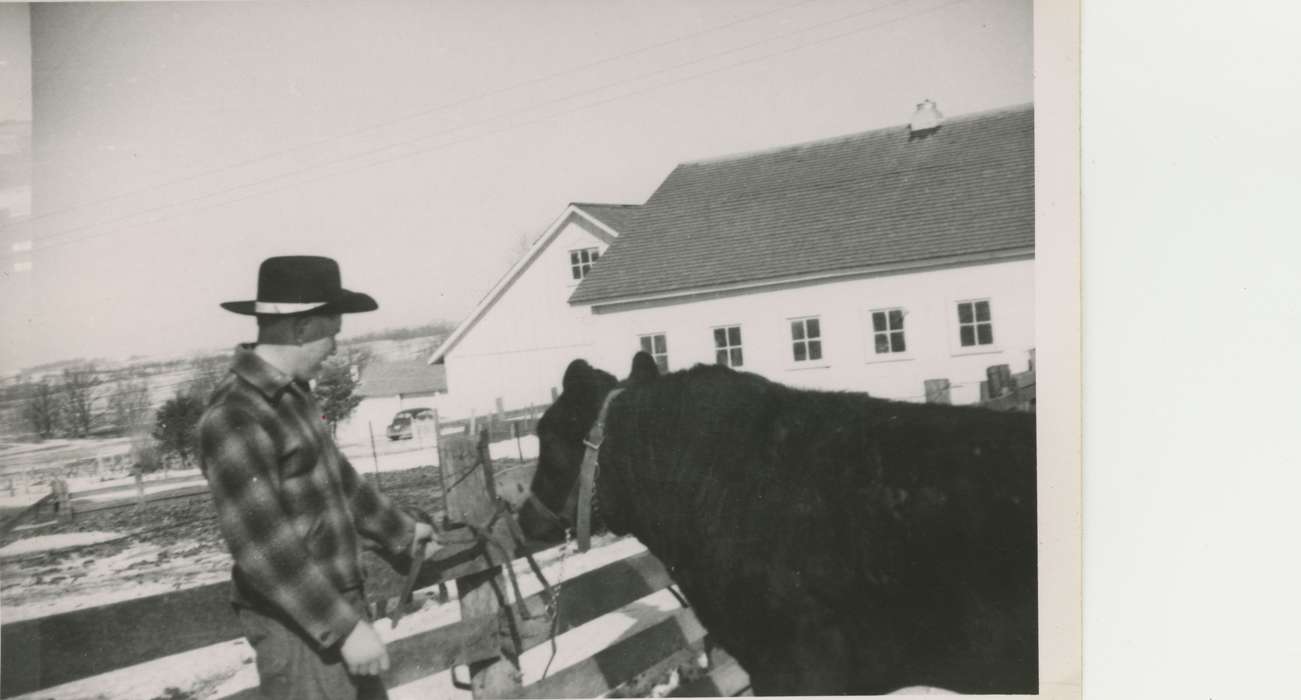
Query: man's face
x=317 y=337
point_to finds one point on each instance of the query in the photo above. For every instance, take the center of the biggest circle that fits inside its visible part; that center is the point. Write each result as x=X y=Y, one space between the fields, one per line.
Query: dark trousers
x=291 y=667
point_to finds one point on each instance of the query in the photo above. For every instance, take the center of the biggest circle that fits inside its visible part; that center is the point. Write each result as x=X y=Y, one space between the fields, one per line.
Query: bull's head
x=553 y=506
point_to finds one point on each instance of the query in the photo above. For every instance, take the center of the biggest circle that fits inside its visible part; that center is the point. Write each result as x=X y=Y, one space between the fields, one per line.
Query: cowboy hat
x=301 y=284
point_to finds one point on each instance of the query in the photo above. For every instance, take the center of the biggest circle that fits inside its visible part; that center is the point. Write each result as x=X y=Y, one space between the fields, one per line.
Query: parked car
x=402 y=427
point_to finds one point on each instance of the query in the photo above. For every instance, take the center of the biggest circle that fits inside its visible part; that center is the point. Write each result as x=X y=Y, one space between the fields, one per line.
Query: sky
x=421 y=144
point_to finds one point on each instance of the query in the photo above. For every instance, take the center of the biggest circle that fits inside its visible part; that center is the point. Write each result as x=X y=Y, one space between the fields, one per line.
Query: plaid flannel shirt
x=289 y=504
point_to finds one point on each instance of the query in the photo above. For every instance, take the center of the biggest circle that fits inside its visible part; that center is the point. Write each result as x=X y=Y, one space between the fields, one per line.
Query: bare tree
x=206 y=373
x=80 y=389
x=129 y=402
x=41 y=409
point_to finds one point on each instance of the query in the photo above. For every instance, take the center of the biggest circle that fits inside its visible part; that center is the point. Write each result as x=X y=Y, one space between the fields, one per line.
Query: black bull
x=831 y=542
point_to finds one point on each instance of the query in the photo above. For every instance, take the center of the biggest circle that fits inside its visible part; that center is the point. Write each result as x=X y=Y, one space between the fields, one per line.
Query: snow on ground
x=49 y=543
x=86 y=580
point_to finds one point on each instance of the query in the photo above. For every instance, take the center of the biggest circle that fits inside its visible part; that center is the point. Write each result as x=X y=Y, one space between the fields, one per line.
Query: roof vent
x=926 y=120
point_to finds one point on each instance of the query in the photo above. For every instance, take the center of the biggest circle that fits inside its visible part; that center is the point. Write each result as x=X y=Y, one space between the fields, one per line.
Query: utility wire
x=489 y=133
x=426 y=111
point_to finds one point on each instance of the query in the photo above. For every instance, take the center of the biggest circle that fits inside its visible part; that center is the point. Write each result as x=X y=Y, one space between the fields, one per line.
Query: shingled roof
x=616 y=216
x=402 y=377
x=858 y=202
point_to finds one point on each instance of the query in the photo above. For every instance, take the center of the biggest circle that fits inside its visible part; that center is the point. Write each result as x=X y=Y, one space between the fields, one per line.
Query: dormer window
x=581 y=261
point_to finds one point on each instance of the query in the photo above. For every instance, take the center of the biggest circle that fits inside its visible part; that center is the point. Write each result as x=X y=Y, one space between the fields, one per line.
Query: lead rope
x=553 y=607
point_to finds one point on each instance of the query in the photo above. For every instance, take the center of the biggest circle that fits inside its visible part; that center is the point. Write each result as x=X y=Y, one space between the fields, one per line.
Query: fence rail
x=50 y=651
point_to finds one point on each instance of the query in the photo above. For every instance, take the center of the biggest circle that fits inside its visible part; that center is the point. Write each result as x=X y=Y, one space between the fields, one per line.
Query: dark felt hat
x=291 y=285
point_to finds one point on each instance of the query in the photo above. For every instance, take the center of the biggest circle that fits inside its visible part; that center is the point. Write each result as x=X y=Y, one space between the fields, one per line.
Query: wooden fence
x=487 y=641
x=492 y=633
x=1002 y=390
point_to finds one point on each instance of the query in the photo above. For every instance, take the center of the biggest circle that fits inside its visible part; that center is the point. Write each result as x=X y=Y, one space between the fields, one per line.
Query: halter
x=587 y=474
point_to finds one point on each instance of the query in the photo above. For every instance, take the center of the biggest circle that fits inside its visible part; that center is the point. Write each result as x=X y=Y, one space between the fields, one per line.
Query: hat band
x=276 y=307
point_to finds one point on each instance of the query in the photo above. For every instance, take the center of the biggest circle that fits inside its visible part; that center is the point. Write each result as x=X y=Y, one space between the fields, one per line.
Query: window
x=887 y=331
x=975 y=324
x=581 y=261
x=727 y=346
x=658 y=346
x=806 y=339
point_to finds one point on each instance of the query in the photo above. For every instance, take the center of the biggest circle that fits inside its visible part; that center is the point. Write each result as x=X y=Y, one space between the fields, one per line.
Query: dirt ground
x=167 y=546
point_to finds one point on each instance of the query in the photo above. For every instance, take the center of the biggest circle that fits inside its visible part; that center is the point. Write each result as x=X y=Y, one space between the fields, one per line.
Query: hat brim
x=347 y=302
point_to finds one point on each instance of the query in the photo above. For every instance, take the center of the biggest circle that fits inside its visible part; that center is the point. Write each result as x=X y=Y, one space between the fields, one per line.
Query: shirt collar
x=258 y=372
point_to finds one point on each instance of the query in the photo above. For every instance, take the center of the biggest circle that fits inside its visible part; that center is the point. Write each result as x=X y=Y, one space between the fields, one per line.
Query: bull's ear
x=578 y=373
x=644 y=368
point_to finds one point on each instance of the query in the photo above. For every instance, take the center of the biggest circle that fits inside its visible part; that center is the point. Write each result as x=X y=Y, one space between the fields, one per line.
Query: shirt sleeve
x=374 y=515
x=240 y=460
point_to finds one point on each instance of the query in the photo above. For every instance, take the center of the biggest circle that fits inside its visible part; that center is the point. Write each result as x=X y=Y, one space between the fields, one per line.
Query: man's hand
x=363 y=651
x=423 y=537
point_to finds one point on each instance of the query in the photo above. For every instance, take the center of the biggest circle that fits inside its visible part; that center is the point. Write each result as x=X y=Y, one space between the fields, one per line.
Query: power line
x=432 y=109
x=444 y=145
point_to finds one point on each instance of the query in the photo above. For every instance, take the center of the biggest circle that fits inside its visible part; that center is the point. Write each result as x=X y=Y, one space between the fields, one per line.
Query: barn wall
x=843 y=307
x=519 y=349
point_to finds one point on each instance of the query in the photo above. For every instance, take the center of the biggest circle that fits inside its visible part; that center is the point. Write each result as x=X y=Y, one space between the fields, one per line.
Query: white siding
x=520 y=347
x=929 y=298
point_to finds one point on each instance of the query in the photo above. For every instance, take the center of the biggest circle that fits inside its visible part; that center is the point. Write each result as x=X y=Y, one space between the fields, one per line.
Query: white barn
x=873 y=262
x=507 y=350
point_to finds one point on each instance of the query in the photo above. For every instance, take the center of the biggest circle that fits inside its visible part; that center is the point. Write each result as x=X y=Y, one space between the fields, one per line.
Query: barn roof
x=863 y=201
x=616 y=216
x=402 y=377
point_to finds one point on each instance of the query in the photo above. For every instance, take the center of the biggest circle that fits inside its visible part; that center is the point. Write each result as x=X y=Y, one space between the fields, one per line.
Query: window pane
x=815 y=330
x=815 y=350
x=663 y=363
x=968 y=334
x=896 y=319
x=801 y=353
x=985 y=332
x=734 y=335
x=595 y=255
x=882 y=343
x=878 y=321
x=982 y=311
x=646 y=343
x=661 y=345
x=720 y=357
x=736 y=357
x=896 y=342
x=964 y=313
x=720 y=337
x=576 y=272
x=797 y=330
x=573 y=257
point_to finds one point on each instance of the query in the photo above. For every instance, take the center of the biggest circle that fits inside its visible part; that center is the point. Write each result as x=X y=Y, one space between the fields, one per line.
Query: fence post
x=473 y=500
x=519 y=447
x=62 y=499
x=497 y=418
x=140 y=486
x=1000 y=380
x=937 y=391
x=374 y=456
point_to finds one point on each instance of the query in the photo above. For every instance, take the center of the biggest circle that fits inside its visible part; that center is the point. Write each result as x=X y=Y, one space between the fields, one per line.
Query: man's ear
x=577 y=374
x=644 y=369
x=301 y=328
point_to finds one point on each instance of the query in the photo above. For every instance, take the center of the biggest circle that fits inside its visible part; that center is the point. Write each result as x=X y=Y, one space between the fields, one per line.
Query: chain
x=553 y=606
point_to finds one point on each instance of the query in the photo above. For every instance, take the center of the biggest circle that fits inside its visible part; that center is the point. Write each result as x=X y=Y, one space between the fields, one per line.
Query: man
x=290 y=505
